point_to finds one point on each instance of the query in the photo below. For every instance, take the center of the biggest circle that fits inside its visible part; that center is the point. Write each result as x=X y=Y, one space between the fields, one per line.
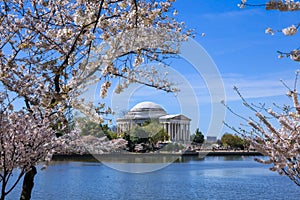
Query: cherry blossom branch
x=280 y=5
x=50 y=52
x=277 y=137
x=163 y=88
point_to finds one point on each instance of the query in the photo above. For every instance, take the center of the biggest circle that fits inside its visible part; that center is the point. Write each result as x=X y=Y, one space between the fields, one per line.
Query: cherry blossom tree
x=275 y=131
x=51 y=51
x=26 y=138
x=275 y=134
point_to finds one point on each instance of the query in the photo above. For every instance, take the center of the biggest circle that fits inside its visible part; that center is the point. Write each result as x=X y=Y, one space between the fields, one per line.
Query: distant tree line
x=227 y=141
x=231 y=141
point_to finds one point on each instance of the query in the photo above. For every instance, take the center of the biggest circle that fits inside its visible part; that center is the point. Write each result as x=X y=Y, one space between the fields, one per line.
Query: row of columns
x=177 y=131
x=123 y=127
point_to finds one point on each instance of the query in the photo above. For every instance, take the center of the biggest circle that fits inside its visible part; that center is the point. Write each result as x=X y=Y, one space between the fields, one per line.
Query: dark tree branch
x=143 y=83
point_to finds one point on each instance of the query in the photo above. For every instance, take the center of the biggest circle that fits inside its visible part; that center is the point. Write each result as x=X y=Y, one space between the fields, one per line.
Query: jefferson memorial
x=176 y=125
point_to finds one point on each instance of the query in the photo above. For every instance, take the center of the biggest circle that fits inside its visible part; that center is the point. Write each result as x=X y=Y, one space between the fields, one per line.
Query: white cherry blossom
x=291 y=30
x=52 y=51
x=275 y=134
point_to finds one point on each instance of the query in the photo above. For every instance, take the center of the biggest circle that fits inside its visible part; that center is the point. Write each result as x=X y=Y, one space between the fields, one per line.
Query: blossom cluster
x=291 y=30
x=26 y=139
x=288 y=31
x=287 y=5
x=73 y=143
x=276 y=135
x=52 y=51
x=281 y=5
x=281 y=145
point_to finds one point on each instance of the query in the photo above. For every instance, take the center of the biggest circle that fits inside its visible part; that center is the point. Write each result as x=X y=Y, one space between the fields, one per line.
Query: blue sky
x=244 y=55
x=238 y=52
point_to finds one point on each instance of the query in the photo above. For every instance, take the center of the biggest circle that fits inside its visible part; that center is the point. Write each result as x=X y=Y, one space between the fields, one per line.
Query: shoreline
x=150 y=156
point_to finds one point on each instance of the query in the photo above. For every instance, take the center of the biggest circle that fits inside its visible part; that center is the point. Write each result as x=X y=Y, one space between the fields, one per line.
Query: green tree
x=227 y=140
x=238 y=143
x=162 y=135
x=155 y=131
x=130 y=143
x=199 y=137
x=151 y=132
x=232 y=141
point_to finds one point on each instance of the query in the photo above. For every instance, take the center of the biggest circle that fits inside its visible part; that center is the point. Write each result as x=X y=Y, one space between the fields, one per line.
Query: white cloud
x=251 y=86
x=233 y=15
x=257 y=86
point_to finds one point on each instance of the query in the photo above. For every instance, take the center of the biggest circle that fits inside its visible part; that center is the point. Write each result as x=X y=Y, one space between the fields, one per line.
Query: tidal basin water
x=230 y=177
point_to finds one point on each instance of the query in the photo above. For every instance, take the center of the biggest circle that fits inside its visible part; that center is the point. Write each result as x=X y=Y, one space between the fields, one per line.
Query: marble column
x=180 y=131
x=185 y=132
x=176 y=134
x=172 y=131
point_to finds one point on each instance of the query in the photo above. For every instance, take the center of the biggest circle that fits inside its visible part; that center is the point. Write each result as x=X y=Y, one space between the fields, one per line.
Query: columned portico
x=177 y=126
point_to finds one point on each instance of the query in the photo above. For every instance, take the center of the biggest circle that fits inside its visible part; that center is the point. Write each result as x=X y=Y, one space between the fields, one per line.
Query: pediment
x=175 y=117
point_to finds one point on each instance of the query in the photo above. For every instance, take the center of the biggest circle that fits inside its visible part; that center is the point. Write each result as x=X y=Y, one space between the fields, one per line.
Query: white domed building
x=176 y=125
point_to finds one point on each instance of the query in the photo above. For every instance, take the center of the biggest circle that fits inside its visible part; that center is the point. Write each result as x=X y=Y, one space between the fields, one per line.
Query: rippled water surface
x=208 y=178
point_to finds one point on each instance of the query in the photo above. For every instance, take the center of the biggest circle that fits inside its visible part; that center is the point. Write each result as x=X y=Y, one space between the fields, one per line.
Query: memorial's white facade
x=176 y=125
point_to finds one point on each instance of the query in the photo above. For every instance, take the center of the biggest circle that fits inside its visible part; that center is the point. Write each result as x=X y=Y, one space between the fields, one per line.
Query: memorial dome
x=177 y=126
x=147 y=105
x=146 y=110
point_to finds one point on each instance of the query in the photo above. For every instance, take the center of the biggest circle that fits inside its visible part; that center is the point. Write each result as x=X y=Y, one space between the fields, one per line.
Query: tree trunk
x=28 y=184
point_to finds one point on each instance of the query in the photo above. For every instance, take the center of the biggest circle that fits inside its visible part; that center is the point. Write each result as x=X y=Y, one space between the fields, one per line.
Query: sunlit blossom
x=52 y=51
x=291 y=30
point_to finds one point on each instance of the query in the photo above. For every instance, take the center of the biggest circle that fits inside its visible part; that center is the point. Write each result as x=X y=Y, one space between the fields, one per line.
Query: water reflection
x=134 y=163
x=190 y=177
x=130 y=158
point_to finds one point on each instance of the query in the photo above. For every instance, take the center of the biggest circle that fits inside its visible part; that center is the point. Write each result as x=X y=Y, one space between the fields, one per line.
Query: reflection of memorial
x=177 y=125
